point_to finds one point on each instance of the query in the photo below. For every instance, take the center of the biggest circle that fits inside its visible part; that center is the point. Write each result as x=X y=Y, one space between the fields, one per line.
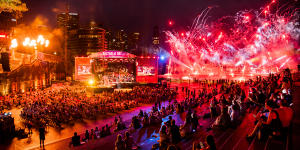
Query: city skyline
x=136 y=16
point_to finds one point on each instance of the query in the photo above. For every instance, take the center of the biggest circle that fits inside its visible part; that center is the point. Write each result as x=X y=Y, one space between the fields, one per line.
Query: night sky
x=137 y=15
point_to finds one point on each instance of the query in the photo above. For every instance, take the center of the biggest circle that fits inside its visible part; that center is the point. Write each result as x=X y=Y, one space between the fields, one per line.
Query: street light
x=40 y=39
x=26 y=41
x=14 y=43
x=47 y=43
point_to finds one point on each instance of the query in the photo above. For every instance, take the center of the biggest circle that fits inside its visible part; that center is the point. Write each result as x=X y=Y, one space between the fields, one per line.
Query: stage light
x=91 y=82
x=162 y=57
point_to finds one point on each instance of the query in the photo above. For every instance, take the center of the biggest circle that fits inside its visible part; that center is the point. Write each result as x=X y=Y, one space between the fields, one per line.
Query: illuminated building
x=110 y=40
x=91 y=39
x=155 y=40
x=122 y=41
x=133 y=42
x=69 y=24
x=117 y=40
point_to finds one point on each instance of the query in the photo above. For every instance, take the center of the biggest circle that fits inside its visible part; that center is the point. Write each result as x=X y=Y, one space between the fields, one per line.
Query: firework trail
x=251 y=42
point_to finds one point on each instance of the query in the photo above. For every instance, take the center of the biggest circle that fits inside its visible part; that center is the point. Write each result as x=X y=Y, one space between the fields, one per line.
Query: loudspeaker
x=5 y=62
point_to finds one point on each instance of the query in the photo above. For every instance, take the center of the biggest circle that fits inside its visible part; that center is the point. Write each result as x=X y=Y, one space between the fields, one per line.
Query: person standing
x=42 y=136
x=119 y=144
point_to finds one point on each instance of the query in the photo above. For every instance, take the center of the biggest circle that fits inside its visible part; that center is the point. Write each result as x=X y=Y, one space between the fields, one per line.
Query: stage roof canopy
x=111 y=54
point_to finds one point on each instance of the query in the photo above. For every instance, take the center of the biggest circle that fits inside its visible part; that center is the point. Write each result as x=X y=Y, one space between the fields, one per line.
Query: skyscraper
x=155 y=40
x=71 y=21
x=91 y=39
x=69 y=24
x=119 y=40
x=133 y=42
x=110 y=40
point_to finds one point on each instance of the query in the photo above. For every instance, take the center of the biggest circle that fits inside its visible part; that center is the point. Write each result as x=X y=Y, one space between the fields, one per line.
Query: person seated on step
x=87 y=136
x=107 y=130
x=120 y=144
x=75 y=139
x=234 y=112
x=135 y=123
x=163 y=112
x=186 y=129
x=163 y=137
x=145 y=120
x=194 y=121
x=223 y=121
x=269 y=122
x=208 y=145
x=174 y=133
x=141 y=114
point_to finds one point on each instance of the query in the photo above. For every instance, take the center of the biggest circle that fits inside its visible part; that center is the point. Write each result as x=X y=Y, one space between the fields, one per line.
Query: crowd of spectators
x=66 y=104
x=269 y=99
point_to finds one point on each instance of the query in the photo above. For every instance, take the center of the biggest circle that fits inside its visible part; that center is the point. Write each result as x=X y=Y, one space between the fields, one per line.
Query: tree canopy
x=12 y=6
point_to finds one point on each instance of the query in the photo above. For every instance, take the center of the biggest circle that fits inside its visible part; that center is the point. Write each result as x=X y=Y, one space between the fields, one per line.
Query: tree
x=15 y=6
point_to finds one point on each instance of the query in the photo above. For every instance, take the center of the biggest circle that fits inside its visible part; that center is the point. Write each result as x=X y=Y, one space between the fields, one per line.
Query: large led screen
x=83 y=68
x=146 y=70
